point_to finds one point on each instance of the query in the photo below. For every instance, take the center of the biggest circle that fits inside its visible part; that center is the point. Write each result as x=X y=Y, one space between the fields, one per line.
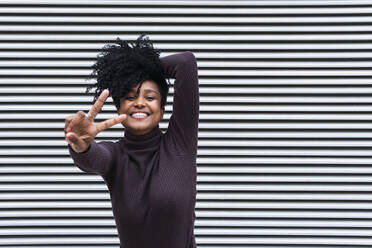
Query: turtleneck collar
x=139 y=142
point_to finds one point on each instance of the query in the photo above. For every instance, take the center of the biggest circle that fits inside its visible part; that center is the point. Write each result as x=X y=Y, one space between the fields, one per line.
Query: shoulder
x=174 y=143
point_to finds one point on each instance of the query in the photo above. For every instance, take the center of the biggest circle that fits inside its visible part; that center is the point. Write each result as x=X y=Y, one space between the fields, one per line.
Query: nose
x=140 y=102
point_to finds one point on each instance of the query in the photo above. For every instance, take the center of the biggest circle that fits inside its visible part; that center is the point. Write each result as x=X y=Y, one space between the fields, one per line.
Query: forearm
x=97 y=158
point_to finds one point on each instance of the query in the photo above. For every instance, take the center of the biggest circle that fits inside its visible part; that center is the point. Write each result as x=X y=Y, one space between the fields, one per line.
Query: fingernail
x=73 y=139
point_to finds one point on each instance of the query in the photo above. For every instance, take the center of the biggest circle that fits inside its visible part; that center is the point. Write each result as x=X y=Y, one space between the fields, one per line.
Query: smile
x=139 y=115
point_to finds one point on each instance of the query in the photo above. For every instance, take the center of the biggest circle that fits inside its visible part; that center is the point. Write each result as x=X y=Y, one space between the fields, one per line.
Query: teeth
x=139 y=115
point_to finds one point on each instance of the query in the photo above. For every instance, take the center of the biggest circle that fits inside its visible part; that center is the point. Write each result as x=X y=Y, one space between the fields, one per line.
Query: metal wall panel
x=284 y=156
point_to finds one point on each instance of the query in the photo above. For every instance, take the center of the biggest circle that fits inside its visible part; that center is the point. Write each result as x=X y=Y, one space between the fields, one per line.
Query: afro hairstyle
x=124 y=65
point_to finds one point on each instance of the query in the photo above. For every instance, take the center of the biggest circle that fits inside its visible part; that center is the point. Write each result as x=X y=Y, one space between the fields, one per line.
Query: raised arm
x=80 y=131
x=183 y=124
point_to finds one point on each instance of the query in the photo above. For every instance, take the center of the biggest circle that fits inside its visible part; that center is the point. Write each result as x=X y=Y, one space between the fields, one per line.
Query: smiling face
x=143 y=110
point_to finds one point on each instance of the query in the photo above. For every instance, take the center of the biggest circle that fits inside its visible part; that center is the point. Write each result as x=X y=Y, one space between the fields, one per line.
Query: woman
x=151 y=175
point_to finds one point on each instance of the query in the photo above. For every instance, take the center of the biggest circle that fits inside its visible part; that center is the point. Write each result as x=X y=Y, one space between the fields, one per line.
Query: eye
x=149 y=98
x=130 y=98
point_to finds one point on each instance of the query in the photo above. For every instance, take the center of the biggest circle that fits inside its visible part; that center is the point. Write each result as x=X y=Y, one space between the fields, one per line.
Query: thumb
x=77 y=143
x=72 y=137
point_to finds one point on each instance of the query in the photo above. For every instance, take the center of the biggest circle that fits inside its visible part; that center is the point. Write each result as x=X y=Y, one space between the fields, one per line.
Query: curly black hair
x=124 y=65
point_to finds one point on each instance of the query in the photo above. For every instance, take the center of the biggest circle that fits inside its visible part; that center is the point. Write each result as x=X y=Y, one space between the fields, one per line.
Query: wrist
x=80 y=151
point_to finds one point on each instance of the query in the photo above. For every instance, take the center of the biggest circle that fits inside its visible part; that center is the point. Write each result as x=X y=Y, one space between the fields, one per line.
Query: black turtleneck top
x=152 y=177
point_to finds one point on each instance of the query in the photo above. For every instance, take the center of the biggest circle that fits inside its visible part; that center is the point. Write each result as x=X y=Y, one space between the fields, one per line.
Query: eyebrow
x=149 y=90
x=146 y=90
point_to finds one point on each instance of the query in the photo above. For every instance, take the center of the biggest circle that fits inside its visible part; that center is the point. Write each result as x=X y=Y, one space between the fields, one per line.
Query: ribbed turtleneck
x=143 y=142
x=152 y=177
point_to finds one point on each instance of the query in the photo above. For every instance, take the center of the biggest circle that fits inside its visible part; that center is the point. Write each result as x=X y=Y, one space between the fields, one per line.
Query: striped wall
x=285 y=135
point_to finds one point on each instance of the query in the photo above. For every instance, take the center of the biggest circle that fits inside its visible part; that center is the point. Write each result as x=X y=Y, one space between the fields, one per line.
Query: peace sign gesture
x=80 y=128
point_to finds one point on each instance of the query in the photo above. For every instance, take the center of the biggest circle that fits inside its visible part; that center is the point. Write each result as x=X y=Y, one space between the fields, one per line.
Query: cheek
x=123 y=109
x=159 y=112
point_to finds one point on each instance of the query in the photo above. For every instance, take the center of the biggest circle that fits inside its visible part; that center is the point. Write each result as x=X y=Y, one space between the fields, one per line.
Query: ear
x=162 y=111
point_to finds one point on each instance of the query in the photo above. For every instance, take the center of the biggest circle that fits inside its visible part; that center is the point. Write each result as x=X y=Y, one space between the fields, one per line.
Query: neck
x=138 y=142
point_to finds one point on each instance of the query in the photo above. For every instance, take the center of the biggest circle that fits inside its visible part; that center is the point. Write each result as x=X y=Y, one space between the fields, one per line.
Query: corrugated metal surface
x=285 y=130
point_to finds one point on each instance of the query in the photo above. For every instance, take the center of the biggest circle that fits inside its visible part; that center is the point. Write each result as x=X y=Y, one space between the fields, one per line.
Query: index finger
x=97 y=106
x=111 y=122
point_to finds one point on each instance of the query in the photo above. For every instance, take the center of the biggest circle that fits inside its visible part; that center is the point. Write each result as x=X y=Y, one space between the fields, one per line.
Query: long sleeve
x=183 y=124
x=97 y=159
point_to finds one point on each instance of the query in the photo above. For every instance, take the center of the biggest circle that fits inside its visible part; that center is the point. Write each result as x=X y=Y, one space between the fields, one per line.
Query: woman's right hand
x=80 y=129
